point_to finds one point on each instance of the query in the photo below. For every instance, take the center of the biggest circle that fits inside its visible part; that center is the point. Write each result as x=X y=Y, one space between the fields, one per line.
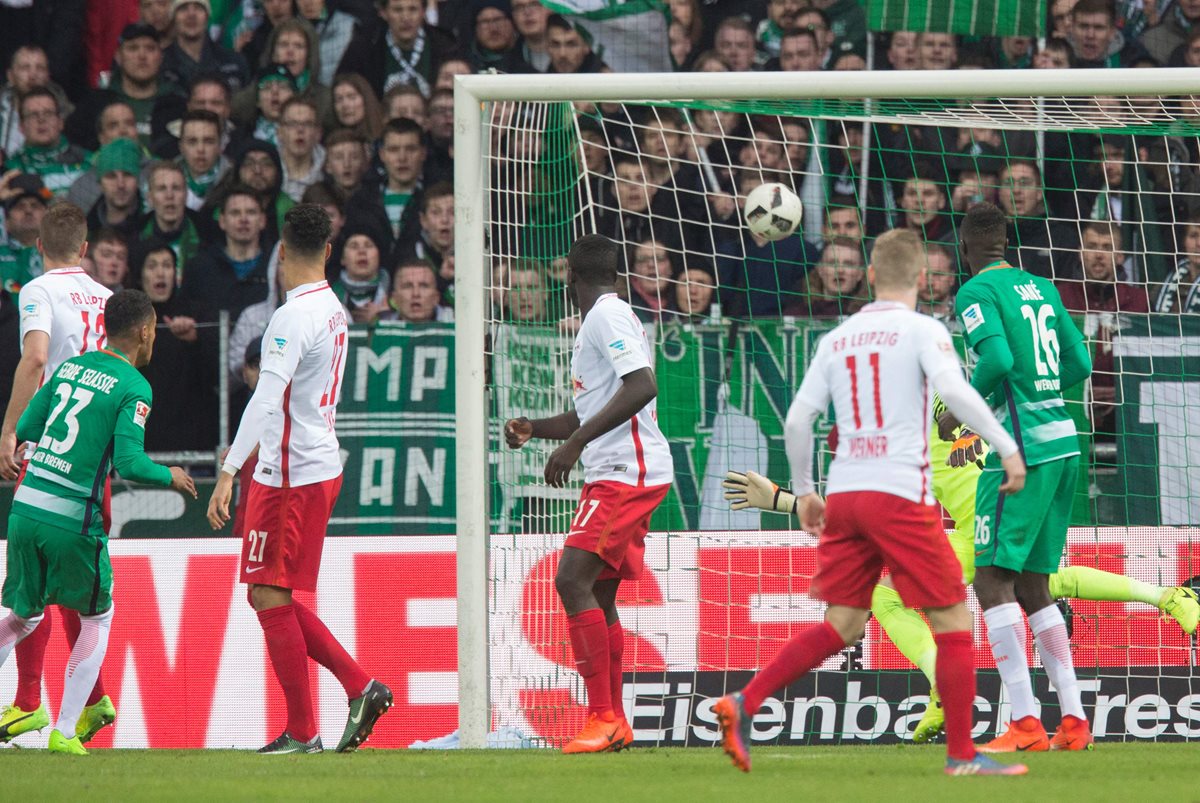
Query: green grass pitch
x=1116 y=772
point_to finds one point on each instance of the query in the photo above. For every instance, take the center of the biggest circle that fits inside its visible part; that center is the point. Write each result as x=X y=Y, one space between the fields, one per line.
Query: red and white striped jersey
x=877 y=367
x=305 y=345
x=68 y=305
x=612 y=343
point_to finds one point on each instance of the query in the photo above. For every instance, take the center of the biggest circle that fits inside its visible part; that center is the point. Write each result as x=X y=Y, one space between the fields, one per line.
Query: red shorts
x=866 y=531
x=612 y=520
x=285 y=531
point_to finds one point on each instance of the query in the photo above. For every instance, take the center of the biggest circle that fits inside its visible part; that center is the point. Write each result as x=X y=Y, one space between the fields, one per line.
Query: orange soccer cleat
x=626 y=735
x=1073 y=734
x=1024 y=735
x=603 y=733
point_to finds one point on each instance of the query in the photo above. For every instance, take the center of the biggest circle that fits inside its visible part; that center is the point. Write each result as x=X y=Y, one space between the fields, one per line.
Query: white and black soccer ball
x=773 y=211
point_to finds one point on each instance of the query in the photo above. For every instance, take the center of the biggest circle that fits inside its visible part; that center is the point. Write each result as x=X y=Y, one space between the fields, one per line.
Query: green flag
x=629 y=35
x=969 y=17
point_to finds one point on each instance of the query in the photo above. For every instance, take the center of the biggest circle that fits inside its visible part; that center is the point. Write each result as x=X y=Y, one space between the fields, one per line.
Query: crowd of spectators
x=187 y=128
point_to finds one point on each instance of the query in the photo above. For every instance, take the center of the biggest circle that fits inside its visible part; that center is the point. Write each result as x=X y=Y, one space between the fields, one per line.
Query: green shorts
x=48 y=565
x=1026 y=532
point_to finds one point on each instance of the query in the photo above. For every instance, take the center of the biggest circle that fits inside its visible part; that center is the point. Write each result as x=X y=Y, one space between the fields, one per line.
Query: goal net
x=1103 y=197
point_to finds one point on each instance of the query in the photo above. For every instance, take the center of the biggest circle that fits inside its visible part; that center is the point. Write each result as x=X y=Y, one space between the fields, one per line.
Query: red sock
x=589 y=640
x=285 y=646
x=328 y=652
x=71 y=628
x=31 y=651
x=616 y=677
x=800 y=655
x=955 y=675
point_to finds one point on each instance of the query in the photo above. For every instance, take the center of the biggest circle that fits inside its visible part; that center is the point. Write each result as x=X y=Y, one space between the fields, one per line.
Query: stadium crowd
x=187 y=129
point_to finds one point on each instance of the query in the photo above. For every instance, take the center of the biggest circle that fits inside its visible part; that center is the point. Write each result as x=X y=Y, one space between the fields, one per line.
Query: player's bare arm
x=26 y=380
x=266 y=402
x=519 y=431
x=218 y=503
x=638 y=388
x=181 y=481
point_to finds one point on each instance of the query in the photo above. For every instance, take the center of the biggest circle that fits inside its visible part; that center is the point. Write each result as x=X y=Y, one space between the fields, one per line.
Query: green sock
x=906 y=629
x=1084 y=582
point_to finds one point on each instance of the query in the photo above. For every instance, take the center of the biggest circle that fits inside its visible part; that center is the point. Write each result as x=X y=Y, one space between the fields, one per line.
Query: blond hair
x=897 y=258
x=63 y=232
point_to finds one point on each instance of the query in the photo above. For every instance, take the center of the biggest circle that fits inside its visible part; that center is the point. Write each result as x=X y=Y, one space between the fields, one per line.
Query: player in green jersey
x=1028 y=351
x=89 y=418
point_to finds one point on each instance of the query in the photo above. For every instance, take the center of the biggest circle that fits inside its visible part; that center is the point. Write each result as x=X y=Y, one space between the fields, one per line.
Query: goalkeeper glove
x=967 y=448
x=755 y=490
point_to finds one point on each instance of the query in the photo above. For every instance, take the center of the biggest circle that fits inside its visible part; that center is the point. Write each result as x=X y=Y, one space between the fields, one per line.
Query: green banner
x=1157 y=470
x=396 y=427
x=969 y=17
x=723 y=395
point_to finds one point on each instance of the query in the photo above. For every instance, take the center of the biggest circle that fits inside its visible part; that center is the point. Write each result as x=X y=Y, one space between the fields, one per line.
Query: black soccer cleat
x=285 y=744
x=365 y=711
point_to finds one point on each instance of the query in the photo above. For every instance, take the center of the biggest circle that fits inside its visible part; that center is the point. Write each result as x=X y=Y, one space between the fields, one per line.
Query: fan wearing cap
x=399 y=47
x=257 y=108
x=115 y=121
x=25 y=201
x=137 y=80
x=193 y=53
x=118 y=164
x=494 y=41
x=46 y=151
x=257 y=166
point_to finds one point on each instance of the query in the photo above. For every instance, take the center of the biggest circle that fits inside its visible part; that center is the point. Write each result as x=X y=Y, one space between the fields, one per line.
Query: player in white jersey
x=879 y=368
x=290 y=420
x=613 y=428
x=62 y=316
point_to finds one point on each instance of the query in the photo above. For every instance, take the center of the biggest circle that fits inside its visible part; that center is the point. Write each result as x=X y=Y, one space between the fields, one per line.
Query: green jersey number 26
x=1045 y=339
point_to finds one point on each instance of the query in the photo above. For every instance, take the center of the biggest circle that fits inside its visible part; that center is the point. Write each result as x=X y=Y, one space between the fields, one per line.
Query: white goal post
x=472 y=96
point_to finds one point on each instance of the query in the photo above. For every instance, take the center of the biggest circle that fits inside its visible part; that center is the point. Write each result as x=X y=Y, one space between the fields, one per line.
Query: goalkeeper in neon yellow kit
x=956 y=467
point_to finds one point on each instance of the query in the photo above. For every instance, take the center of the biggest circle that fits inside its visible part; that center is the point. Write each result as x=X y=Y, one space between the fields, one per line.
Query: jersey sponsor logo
x=972 y=318
x=140 y=413
x=277 y=347
x=617 y=350
x=29 y=310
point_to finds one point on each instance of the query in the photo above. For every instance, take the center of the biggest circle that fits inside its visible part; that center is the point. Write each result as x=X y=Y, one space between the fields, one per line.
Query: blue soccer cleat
x=982 y=764
x=735 y=729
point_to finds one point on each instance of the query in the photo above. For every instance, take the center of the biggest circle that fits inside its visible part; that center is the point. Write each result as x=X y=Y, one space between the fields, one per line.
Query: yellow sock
x=1084 y=582
x=907 y=630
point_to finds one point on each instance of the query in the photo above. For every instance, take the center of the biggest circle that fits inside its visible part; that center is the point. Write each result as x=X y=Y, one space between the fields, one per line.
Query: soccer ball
x=773 y=211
